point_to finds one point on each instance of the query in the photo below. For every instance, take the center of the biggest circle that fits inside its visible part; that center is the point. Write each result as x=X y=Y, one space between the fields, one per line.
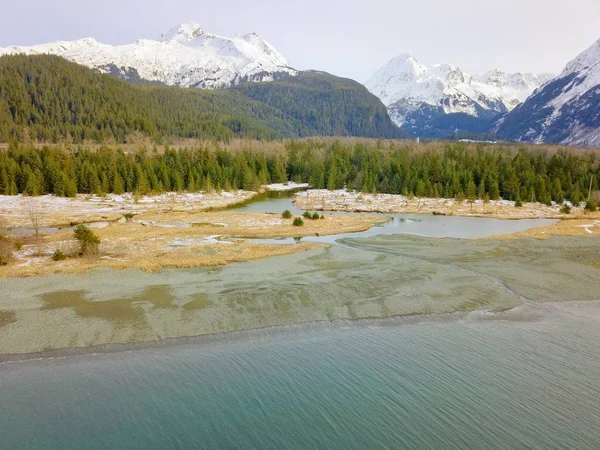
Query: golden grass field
x=154 y=240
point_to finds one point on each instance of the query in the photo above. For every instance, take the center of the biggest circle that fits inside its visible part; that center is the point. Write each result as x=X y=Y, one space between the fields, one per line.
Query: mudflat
x=377 y=277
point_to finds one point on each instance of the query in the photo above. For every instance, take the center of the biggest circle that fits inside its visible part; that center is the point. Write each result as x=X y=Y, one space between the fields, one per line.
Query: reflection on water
x=270 y=202
x=427 y=225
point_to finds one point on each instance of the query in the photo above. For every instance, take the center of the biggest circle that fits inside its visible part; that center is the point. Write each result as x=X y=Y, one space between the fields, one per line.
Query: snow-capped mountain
x=185 y=56
x=420 y=98
x=566 y=110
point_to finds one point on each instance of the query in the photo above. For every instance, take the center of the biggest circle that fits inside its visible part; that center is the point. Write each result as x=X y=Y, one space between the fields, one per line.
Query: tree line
x=453 y=172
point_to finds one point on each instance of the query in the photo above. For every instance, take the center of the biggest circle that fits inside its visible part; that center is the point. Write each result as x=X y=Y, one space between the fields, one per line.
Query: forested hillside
x=369 y=167
x=326 y=104
x=53 y=99
x=46 y=98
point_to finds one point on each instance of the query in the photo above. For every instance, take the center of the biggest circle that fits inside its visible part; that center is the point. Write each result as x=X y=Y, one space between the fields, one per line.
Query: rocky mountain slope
x=185 y=56
x=566 y=110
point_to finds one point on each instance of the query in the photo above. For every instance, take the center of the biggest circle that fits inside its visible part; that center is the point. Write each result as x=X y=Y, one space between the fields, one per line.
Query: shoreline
x=357 y=202
x=247 y=335
x=517 y=314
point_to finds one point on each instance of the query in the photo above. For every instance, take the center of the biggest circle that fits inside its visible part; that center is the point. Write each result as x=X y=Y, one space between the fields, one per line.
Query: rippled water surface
x=455 y=385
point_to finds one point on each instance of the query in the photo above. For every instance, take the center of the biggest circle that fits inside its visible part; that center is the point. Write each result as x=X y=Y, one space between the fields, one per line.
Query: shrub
x=58 y=255
x=88 y=241
x=286 y=214
x=5 y=255
x=575 y=198
x=298 y=222
x=307 y=215
x=315 y=216
x=518 y=203
x=565 y=209
x=322 y=217
x=18 y=244
x=590 y=205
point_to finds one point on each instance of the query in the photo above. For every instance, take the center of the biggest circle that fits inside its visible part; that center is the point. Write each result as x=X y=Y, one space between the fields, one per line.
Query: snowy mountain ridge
x=565 y=110
x=185 y=56
x=405 y=85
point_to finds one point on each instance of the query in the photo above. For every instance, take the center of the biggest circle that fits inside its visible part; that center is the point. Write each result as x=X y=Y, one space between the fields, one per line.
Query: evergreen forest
x=48 y=99
x=451 y=170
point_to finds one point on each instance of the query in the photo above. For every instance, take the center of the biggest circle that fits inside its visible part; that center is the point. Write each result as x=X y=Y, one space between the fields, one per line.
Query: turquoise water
x=454 y=385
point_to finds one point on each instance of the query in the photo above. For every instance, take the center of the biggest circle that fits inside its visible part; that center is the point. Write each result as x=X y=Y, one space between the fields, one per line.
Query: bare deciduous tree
x=5 y=253
x=35 y=217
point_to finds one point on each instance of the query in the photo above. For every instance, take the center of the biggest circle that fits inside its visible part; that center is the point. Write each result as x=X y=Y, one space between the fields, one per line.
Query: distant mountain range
x=439 y=101
x=444 y=100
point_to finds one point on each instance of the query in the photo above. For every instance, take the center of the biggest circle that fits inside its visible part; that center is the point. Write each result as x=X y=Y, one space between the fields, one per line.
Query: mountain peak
x=451 y=74
x=419 y=96
x=565 y=110
x=585 y=60
x=185 y=56
x=495 y=77
x=404 y=63
x=403 y=58
x=182 y=33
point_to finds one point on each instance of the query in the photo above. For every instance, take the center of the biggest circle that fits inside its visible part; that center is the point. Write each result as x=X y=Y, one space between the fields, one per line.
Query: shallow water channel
x=426 y=225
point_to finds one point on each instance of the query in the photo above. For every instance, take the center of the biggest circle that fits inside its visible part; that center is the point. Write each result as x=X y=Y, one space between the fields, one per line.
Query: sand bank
x=574 y=227
x=379 y=277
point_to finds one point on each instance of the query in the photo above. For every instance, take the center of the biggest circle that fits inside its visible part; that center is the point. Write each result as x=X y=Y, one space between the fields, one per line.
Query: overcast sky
x=348 y=38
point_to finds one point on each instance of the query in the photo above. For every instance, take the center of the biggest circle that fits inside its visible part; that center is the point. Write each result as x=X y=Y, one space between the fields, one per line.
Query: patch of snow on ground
x=192 y=242
x=290 y=185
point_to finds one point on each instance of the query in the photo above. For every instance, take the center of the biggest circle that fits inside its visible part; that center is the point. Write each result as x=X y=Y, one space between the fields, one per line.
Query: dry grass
x=576 y=227
x=151 y=247
x=186 y=258
x=257 y=225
